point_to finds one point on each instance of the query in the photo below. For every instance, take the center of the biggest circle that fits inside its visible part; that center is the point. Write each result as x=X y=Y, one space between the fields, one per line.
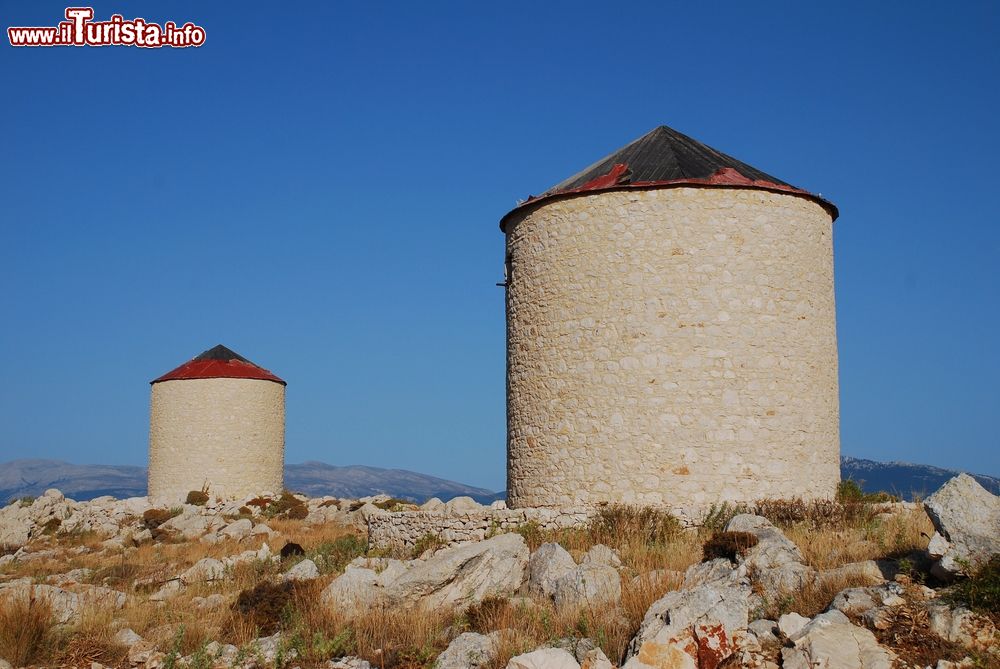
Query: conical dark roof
x=219 y=362
x=664 y=157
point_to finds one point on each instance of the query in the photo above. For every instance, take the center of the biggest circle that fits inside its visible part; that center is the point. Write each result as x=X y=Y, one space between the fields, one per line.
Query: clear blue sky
x=319 y=189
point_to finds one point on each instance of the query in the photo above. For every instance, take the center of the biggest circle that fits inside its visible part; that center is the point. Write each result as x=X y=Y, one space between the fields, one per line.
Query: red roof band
x=219 y=363
x=665 y=158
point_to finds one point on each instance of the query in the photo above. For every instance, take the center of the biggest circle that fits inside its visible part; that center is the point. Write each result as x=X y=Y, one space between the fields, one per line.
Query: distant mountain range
x=904 y=479
x=20 y=478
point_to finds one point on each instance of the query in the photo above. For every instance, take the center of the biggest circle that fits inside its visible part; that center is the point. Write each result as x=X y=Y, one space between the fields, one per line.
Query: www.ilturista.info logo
x=81 y=30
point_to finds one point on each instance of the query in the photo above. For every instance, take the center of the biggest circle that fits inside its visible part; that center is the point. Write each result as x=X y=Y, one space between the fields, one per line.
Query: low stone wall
x=403 y=529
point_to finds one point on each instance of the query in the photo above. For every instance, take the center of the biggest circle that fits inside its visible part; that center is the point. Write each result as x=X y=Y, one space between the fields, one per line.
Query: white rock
x=468 y=651
x=260 y=529
x=790 y=623
x=548 y=564
x=832 y=642
x=589 y=583
x=463 y=574
x=601 y=554
x=432 y=505
x=544 y=658
x=357 y=588
x=962 y=626
x=709 y=615
x=461 y=505
x=238 y=529
x=205 y=569
x=968 y=517
x=127 y=637
x=303 y=571
x=777 y=563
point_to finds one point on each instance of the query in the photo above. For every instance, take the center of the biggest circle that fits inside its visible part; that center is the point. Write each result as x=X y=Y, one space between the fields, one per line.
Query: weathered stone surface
x=790 y=623
x=968 y=517
x=460 y=505
x=832 y=642
x=589 y=583
x=693 y=627
x=716 y=303
x=601 y=554
x=463 y=574
x=468 y=651
x=205 y=569
x=544 y=658
x=776 y=562
x=765 y=631
x=546 y=566
x=356 y=588
x=867 y=570
x=855 y=601
x=962 y=626
x=595 y=659
x=303 y=571
x=238 y=529
x=127 y=637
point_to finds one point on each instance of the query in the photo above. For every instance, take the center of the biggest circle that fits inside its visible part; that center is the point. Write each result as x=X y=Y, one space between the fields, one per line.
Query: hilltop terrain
x=293 y=581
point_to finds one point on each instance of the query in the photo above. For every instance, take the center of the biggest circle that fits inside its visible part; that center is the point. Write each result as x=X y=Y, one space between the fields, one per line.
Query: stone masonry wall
x=671 y=347
x=403 y=529
x=228 y=434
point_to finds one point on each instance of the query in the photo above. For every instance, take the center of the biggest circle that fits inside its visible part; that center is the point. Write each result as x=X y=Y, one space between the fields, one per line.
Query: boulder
x=544 y=658
x=462 y=505
x=127 y=637
x=547 y=565
x=463 y=574
x=468 y=651
x=695 y=627
x=601 y=554
x=205 y=569
x=237 y=530
x=589 y=583
x=303 y=571
x=959 y=625
x=830 y=641
x=775 y=561
x=855 y=601
x=967 y=519
x=790 y=623
x=357 y=588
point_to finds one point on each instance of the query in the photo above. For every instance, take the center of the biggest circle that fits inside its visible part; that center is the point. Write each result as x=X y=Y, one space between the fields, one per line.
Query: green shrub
x=719 y=515
x=286 y=506
x=333 y=556
x=980 y=591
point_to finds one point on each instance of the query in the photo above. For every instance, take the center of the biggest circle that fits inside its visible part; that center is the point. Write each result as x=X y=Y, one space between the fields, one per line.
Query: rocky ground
x=286 y=581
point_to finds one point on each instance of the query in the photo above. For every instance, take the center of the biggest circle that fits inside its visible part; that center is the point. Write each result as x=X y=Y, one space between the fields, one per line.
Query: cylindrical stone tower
x=216 y=422
x=670 y=334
